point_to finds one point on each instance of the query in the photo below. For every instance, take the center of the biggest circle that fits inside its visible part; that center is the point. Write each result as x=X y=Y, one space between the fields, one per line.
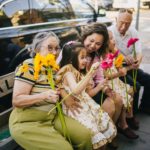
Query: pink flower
x=116 y=53
x=132 y=41
x=107 y=63
x=111 y=55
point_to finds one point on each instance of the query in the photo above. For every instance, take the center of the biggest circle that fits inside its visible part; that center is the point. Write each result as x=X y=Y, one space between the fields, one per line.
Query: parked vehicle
x=20 y=20
x=146 y=3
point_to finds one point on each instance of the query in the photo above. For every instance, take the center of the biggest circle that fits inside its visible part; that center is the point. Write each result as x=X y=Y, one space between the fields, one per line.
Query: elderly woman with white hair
x=29 y=123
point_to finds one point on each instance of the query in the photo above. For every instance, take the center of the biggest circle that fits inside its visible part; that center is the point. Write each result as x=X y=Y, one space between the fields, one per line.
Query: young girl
x=70 y=75
x=118 y=85
x=120 y=88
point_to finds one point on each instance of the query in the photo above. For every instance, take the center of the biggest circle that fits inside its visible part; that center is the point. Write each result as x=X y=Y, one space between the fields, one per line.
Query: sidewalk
x=143 y=143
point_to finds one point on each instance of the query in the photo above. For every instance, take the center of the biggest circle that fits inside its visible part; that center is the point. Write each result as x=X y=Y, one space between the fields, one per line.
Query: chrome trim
x=46 y=23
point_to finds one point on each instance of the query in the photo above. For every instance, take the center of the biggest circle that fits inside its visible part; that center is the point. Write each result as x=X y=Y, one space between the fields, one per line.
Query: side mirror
x=101 y=12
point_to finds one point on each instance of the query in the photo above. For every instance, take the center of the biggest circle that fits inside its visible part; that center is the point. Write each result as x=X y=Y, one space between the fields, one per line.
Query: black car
x=20 y=20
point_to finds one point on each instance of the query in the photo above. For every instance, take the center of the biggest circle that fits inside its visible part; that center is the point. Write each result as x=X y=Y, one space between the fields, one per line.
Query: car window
x=53 y=10
x=21 y=12
x=82 y=8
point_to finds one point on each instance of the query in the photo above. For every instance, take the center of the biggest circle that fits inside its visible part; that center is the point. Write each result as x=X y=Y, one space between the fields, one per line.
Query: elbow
x=91 y=94
x=16 y=103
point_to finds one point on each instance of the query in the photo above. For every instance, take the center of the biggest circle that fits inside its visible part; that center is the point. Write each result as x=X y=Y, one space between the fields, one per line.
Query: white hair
x=38 y=40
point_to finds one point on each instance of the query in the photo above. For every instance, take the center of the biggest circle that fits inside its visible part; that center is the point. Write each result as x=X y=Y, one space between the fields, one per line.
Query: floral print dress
x=102 y=128
x=120 y=88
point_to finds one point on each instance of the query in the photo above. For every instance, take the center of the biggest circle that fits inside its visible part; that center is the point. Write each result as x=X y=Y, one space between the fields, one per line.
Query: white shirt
x=122 y=41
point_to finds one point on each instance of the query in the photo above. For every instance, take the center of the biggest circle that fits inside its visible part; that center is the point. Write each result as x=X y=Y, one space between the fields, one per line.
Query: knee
x=82 y=141
x=111 y=110
x=118 y=101
x=109 y=107
x=64 y=145
x=85 y=135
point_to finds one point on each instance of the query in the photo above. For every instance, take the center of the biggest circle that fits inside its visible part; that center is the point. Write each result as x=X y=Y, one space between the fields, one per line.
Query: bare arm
x=22 y=97
x=93 y=91
x=70 y=79
x=112 y=76
x=121 y=72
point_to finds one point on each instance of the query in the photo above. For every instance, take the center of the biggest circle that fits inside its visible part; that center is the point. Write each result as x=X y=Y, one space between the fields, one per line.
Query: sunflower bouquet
x=49 y=63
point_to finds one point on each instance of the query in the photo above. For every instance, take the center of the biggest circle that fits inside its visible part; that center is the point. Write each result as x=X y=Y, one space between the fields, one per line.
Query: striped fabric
x=39 y=85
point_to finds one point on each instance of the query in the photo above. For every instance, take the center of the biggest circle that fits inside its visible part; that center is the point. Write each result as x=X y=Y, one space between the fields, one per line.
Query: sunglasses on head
x=123 y=10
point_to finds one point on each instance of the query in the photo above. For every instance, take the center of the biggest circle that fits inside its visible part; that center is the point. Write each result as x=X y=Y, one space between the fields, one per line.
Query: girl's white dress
x=121 y=88
x=102 y=128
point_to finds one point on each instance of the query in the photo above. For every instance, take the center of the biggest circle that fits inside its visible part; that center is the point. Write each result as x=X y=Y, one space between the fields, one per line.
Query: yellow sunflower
x=119 y=60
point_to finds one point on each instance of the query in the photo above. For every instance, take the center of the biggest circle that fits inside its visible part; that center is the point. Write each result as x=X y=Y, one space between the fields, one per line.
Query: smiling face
x=123 y=22
x=49 y=46
x=82 y=59
x=93 y=42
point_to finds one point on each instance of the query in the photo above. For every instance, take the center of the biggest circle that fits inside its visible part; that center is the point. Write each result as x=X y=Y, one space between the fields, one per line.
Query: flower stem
x=58 y=105
x=101 y=101
x=134 y=52
x=128 y=103
x=135 y=76
x=111 y=79
x=134 y=73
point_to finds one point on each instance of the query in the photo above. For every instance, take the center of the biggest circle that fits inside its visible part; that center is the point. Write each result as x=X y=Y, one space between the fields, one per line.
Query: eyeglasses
x=123 y=10
x=51 y=49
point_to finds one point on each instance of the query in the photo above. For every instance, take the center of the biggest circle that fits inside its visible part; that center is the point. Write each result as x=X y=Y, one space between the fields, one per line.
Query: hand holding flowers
x=132 y=42
x=51 y=96
x=122 y=71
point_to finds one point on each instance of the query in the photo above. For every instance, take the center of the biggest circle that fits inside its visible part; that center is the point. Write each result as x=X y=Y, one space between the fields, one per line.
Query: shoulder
x=64 y=69
x=29 y=61
x=25 y=65
x=60 y=74
x=25 y=71
x=133 y=31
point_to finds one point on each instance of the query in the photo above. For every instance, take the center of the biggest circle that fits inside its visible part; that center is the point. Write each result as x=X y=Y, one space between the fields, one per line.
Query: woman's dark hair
x=70 y=54
x=99 y=29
